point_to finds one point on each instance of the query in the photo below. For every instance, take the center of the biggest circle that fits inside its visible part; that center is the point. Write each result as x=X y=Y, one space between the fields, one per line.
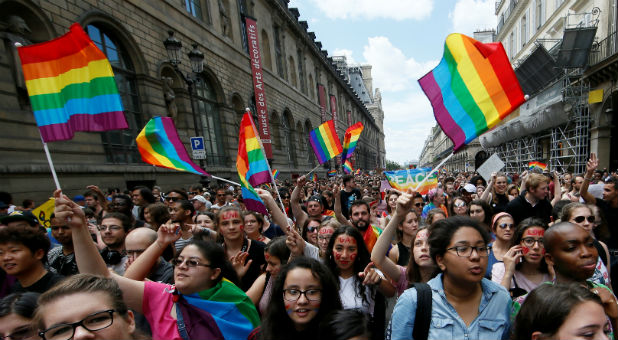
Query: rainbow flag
x=275 y=173
x=347 y=167
x=314 y=177
x=325 y=142
x=352 y=134
x=472 y=88
x=357 y=172
x=159 y=145
x=539 y=165
x=331 y=173
x=251 y=164
x=71 y=86
x=403 y=180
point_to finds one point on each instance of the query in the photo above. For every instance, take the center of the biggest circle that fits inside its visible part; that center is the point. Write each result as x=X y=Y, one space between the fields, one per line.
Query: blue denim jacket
x=492 y=322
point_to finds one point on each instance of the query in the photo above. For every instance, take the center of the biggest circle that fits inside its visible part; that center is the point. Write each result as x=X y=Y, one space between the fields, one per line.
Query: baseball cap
x=199 y=198
x=470 y=188
x=78 y=198
x=315 y=198
x=19 y=215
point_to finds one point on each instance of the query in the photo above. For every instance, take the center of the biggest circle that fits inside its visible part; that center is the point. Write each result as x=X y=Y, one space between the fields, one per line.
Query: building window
x=524 y=31
x=287 y=139
x=195 y=8
x=208 y=113
x=292 y=72
x=512 y=45
x=301 y=71
x=119 y=145
x=266 y=57
x=312 y=87
x=540 y=13
x=278 y=53
x=244 y=11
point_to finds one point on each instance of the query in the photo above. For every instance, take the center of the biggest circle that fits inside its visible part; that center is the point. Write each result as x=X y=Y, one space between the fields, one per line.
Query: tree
x=392 y=165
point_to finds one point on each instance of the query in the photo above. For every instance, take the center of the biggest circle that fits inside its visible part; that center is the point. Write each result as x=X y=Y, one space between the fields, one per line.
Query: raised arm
x=298 y=212
x=557 y=189
x=338 y=213
x=378 y=254
x=277 y=215
x=485 y=196
x=143 y=264
x=86 y=254
x=591 y=166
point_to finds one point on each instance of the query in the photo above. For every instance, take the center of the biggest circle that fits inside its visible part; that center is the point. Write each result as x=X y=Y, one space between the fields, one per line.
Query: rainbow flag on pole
x=539 y=165
x=314 y=177
x=275 y=173
x=71 y=86
x=331 y=173
x=325 y=142
x=352 y=134
x=347 y=167
x=472 y=88
x=159 y=145
x=251 y=165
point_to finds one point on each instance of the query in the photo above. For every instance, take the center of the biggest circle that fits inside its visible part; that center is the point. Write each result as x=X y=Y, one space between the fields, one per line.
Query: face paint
x=422 y=234
x=228 y=215
x=325 y=231
x=525 y=250
x=346 y=239
x=266 y=256
x=535 y=232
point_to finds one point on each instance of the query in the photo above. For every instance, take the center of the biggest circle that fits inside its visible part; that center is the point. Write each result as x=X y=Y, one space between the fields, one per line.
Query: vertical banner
x=333 y=111
x=349 y=116
x=322 y=99
x=258 y=86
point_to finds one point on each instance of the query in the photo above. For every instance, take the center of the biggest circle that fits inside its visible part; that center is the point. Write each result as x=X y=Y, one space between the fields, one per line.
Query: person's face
x=177 y=213
x=479 y=190
x=409 y=225
x=147 y=215
x=76 y=307
x=459 y=207
x=205 y=221
x=505 y=227
x=251 y=225
x=541 y=191
x=345 y=251
x=478 y=182
x=360 y=217
x=501 y=184
x=514 y=192
x=464 y=269
x=418 y=205
x=302 y=310
x=120 y=205
x=197 y=205
x=156 y=192
x=112 y=232
x=221 y=197
x=582 y=217
x=421 y=249
x=135 y=246
x=17 y=258
x=190 y=279
x=578 y=183
x=172 y=197
x=467 y=196
x=477 y=212
x=60 y=231
x=312 y=232
x=91 y=201
x=586 y=320
x=566 y=179
x=285 y=198
x=375 y=194
x=438 y=199
x=392 y=201
x=136 y=197
x=450 y=188
x=324 y=237
x=573 y=254
x=273 y=264
x=14 y=326
x=609 y=192
x=314 y=208
x=231 y=225
x=532 y=246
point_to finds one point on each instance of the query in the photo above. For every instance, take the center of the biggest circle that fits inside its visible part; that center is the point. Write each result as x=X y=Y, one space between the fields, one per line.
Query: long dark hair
x=519 y=234
x=22 y=304
x=215 y=254
x=277 y=324
x=413 y=271
x=486 y=208
x=362 y=258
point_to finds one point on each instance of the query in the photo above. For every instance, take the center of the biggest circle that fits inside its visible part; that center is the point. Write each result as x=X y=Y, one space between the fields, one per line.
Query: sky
x=402 y=40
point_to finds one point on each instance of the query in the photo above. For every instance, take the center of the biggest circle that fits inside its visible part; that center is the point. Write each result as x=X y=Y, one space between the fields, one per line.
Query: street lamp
x=173 y=47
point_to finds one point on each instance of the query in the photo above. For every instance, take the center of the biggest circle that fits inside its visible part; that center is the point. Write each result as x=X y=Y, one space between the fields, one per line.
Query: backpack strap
x=422 y=318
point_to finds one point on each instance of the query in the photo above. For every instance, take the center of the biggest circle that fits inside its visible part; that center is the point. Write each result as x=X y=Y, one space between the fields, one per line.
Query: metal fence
x=603 y=49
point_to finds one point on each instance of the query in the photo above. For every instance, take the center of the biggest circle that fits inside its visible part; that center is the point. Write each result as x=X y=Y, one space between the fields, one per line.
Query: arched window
x=292 y=72
x=266 y=57
x=119 y=145
x=287 y=139
x=208 y=112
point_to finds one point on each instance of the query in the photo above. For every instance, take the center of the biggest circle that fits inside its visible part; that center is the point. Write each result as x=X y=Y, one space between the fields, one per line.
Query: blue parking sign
x=197 y=143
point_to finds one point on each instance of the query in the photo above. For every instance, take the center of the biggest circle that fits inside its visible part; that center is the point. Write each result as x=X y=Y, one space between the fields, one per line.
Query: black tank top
x=404 y=254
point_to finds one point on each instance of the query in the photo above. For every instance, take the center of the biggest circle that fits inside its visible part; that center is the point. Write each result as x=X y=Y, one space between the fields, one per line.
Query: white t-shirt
x=349 y=298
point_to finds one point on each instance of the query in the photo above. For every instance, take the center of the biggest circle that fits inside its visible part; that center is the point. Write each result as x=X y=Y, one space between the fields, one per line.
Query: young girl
x=406 y=231
x=327 y=228
x=304 y=293
x=496 y=194
x=434 y=215
x=464 y=304
x=458 y=207
x=309 y=231
x=16 y=314
x=254 y=222
x=277 y=255
x=391 y=204
x=502 y=227
x=481 y=211
x=206 y=219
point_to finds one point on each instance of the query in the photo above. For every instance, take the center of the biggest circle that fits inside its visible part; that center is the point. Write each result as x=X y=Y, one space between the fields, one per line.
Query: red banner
x=322 y=98
x=258 y=86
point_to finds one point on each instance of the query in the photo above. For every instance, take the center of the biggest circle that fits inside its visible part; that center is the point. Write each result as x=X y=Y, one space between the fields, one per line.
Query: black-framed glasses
x=530 y=241
x=419 y=204
x=580 y=219
x=293 y=294
x=191 y=263
x=93 y=322
x=110 y=227
x=466 y=251
x=20 y=333
x=506 y=225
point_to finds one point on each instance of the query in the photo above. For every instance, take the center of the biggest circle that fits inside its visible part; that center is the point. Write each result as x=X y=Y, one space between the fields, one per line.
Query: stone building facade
x=131 y=33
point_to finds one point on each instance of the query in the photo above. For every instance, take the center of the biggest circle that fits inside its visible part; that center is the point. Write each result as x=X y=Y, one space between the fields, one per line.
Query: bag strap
x=422 y=318
x=180 y=321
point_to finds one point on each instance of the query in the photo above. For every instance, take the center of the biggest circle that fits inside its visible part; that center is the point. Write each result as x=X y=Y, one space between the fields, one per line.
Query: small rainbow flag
x=331 y=173
x=275 y=173
x=71 y=86
x=472 y=88
x=539 y=165
x=357 y=172
x=347 y=167
x=352 y=134
x=325 y=142
x=251 y=165
x=314 y=177
x=159 y=145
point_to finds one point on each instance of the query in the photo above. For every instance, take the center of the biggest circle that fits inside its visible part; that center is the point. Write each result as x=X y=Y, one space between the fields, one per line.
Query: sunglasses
x=506 y=225
x=191 y=263
x=460 y=204
x=172 y=199
x=312 y=229
x=580 y=219
x=419 y=204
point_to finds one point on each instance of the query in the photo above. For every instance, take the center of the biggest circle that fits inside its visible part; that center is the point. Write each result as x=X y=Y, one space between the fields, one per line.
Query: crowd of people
x=514 y=256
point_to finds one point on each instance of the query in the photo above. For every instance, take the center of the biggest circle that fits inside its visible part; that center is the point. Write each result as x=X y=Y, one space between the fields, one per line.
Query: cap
x=78 y=198
x=199 y=198
x=19 y=215
x=470 y=188
x=315 y=198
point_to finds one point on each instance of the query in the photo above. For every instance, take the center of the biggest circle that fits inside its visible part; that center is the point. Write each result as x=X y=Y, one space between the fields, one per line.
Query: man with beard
x=359 y=218
x=181 y=213
x=314 y=204
x=114 y=228
x=123 y=204
x=61 y=259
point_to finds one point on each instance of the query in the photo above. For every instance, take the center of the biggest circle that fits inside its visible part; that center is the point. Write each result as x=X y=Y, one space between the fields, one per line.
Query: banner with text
x=322 y=100
x=410 y=178
x=258 y=86
x=333 y=111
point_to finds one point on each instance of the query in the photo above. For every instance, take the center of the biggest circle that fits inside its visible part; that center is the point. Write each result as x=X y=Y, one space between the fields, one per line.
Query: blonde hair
x=534 y=180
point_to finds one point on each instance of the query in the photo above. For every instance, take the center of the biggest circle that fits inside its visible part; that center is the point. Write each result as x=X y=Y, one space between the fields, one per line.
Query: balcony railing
x=603 y=49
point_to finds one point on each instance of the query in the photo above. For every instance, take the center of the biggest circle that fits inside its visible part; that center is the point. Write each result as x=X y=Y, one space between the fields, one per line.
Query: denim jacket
x=491 y=323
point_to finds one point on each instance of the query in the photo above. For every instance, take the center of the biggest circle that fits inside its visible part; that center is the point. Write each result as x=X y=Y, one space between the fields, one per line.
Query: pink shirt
x=156 y=307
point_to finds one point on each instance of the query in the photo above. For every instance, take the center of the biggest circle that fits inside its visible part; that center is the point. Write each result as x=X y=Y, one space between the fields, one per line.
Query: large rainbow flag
x=352 y=134
x=472 y=88
x=325 y=142
x=159 y=145
x=251 y=165
x=403 y=180
x=71 y=86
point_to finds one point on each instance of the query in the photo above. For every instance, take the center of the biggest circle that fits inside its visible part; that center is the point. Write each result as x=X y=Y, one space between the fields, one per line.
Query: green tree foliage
x=392 y=165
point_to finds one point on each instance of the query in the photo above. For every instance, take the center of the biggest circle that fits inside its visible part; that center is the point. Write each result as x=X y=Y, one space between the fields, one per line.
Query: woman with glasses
x=464 y=304
x=203 y=283
x=16 y=314
x=309 y=231
x=581 y=215
x=254 y=222
x=458 y=207
x=502 y=227
x=524 y=266
x=304 y=294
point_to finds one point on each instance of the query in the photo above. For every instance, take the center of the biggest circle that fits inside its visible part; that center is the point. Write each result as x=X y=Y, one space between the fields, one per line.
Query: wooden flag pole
x=433 y=170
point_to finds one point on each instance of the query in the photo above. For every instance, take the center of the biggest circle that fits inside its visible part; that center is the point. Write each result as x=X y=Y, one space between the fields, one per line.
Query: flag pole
x=433 y=170
x=225 y=180
x=312 y=170
x=270 y=172
x=51 y=164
